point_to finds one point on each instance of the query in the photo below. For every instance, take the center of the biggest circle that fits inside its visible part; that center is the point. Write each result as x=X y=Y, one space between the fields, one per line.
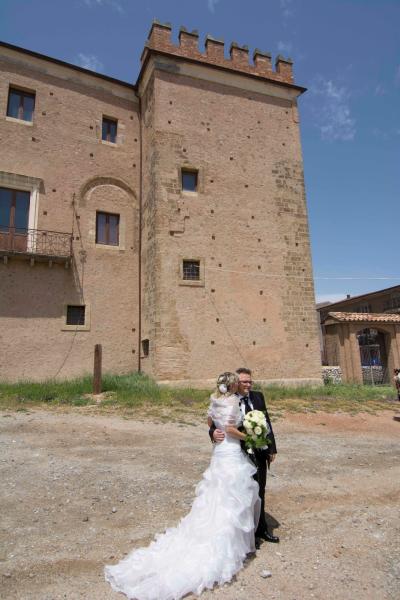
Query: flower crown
x=222 y=383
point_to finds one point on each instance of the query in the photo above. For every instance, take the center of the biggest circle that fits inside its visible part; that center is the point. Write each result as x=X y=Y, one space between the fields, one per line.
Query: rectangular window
x=14 y=217
x=392 y=303
x=363 y=308
x=20 y=104
x=107 y=229
x=75 y=315
x=191 y=270
x=395 y=301
x=189 y=180
x=109 y=130
x=146 y=347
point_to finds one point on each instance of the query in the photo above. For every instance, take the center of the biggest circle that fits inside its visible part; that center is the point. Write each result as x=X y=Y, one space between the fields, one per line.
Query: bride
x=210 y=544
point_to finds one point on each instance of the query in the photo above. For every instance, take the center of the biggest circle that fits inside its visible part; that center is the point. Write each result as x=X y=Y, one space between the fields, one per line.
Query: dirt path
x=78 y=491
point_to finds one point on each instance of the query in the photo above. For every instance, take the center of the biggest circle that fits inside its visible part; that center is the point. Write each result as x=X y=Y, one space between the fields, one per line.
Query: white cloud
x=89 y=61
x=287 y=8
x=212 y=4
x=332 y=114
x=380 y=134
x=285 y=47
x=380 y=90
x=115 y=4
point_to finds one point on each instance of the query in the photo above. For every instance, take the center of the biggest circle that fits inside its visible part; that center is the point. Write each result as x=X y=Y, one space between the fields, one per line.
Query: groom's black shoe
x=268 y=537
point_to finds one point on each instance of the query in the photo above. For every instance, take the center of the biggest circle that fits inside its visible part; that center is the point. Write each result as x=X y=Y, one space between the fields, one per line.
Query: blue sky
x=346 y=52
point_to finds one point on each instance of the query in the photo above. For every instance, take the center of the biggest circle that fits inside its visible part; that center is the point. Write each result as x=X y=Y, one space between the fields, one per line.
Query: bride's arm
x=234 y=432
x=233 y=419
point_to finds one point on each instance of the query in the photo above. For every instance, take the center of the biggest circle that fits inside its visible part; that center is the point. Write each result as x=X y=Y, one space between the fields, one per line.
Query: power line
x=224 y=325
x=324 y=277
x=381 y=278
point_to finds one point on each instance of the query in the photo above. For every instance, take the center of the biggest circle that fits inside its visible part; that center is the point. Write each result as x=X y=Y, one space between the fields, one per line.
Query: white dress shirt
x=243 y=406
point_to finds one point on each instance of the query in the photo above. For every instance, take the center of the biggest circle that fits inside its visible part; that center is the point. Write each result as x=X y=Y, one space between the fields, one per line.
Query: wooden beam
x=97 y=369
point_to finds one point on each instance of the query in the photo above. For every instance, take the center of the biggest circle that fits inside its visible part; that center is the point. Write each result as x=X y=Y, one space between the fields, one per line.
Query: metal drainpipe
x=140 y=236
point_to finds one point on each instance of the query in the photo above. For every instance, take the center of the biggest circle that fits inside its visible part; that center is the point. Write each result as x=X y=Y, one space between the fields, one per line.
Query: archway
x=373 y=356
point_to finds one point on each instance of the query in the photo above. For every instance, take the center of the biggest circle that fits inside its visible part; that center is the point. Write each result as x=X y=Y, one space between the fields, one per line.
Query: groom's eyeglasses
x=246 y=382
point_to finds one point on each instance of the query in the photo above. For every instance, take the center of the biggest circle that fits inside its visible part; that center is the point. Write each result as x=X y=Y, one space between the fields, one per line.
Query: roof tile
x=365 y=317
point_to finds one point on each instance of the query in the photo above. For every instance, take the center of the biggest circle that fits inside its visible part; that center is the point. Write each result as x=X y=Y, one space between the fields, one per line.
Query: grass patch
x=136 y=391
x=126 y=391
x=350 y=398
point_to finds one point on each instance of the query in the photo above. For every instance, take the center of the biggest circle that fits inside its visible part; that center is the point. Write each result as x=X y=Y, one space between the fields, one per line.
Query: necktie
x=246 y=401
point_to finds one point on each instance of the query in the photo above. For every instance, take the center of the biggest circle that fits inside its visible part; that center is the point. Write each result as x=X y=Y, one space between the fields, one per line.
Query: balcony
x=35 y=245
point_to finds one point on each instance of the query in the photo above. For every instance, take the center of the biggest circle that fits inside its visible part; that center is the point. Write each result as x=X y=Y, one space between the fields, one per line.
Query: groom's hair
x=243 y=370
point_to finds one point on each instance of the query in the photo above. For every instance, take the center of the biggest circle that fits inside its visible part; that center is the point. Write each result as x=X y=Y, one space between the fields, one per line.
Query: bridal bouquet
x=257 y=430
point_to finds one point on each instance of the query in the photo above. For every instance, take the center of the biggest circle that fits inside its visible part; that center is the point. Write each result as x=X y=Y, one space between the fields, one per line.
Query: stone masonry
x=236 y=125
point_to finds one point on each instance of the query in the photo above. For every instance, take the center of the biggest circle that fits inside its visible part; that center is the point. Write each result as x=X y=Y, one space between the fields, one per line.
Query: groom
x=250 y=400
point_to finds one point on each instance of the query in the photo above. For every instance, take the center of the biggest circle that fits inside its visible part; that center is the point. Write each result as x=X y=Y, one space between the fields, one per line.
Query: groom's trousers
x=261 y=478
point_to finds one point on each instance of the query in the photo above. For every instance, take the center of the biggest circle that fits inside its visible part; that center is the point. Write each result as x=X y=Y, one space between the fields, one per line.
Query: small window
x=20 y=104
x=109 y=130
x=363 y=308
x=145 y=347
x=189 y=180
x=191 y=270
x=75 y=315
x=107 y=229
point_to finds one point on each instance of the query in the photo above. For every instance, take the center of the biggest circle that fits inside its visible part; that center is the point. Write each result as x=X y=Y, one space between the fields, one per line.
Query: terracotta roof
x=365 y=317
x=366 y=296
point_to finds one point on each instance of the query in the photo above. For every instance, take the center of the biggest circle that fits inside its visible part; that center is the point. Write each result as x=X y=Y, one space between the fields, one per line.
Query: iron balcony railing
x=35 y=242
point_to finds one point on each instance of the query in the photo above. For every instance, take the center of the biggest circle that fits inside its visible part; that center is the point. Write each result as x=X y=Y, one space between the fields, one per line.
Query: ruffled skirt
x=208 y=546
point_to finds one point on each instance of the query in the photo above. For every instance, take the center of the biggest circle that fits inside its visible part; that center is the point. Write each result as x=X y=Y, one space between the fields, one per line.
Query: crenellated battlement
x=159 y=39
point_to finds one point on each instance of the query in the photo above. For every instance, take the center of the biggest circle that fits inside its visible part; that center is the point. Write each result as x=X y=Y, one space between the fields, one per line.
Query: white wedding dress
x=210 y=544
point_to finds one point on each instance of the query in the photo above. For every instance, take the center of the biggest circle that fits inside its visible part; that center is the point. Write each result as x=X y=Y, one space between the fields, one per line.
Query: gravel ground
x=80 y=490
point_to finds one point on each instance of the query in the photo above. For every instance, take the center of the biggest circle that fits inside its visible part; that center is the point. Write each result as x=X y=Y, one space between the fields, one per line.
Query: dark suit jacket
x=258 y=402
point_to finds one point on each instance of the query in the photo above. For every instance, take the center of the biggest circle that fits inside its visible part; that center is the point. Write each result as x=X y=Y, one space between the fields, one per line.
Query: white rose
x=254 y=437
x=258 y=430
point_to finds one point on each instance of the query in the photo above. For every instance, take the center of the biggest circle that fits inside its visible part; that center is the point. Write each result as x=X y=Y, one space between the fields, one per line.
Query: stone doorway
x=366 y=346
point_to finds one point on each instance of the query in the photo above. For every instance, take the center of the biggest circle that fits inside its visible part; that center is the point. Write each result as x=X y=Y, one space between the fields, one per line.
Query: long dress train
x=210 y=544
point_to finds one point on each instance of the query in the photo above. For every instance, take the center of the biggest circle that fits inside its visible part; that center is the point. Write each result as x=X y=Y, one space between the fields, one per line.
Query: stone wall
x=331 y=374
x=247 y=223
x=79 y=174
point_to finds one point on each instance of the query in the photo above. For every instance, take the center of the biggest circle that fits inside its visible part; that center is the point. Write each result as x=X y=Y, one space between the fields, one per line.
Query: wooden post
x=97 y=369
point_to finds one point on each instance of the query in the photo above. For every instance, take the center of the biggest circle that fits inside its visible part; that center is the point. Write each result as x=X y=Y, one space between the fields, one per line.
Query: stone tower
x=226 y=278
